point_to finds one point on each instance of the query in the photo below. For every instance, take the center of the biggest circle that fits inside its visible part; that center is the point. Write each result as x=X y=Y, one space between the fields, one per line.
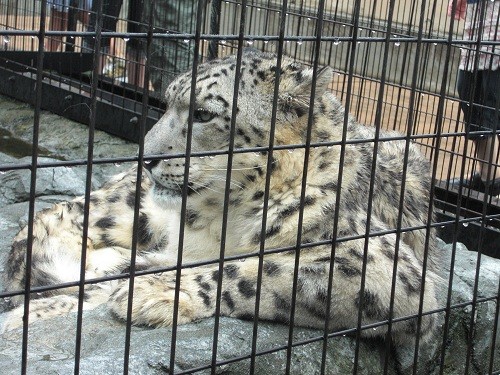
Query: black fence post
x=73 y=10
x=214 y=29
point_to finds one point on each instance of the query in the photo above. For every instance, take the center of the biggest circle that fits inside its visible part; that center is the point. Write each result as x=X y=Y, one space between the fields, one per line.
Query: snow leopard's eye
x=202 y=115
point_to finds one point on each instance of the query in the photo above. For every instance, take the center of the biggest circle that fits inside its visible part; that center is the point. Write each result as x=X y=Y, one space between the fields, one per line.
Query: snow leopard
x=255 y=183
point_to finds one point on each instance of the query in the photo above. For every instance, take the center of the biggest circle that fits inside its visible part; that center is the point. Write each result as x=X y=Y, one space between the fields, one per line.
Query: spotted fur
x=58 y=231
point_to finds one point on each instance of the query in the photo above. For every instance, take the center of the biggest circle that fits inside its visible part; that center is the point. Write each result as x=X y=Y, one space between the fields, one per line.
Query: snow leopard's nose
x=150 y=164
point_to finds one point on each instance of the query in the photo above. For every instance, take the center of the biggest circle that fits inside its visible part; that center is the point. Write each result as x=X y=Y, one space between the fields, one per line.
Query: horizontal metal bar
x=248 y=37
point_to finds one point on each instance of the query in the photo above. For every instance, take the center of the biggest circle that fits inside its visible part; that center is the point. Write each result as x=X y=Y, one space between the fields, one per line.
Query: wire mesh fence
x=394 y=67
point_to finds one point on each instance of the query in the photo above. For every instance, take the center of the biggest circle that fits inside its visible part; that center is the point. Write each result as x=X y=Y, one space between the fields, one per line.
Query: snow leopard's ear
x=297 y=83
x=304 y=78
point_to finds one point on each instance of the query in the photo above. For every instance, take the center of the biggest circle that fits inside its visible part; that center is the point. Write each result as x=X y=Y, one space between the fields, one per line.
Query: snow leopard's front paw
x=153 y=301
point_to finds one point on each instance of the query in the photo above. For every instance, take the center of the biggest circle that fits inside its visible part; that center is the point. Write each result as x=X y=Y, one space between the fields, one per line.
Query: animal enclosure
x=393 y=65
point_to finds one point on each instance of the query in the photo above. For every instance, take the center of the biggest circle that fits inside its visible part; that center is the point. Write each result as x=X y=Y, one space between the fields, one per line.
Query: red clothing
x=481 y=21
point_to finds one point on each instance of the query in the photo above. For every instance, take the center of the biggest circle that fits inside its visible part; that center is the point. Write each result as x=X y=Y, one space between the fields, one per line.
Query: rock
x=62 y=180
x=6 y=159
x=484 y=313
x=457 y=342
x=58 y=136
x=15 y=184
x=103 y=343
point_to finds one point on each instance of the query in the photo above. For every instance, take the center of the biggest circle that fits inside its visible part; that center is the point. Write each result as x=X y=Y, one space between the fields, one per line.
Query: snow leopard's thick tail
x=51 y=307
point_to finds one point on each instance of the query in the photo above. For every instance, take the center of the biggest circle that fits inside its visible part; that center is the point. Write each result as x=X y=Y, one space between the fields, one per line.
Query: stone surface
x=51 y=344
x=103 y=348
x=60 y=139
x=15 y=184
x=58 y=136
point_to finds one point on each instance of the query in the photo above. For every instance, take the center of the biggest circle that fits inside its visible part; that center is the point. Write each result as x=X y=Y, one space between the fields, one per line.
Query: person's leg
x=479 y=102
x=171 y=57
x=135 y=48
x=84 y=12
x=469 y=88
x=487 y=153
x=84 y=17
x=487 y=150
x=110 y=11
x=58 y=21
x=135 y=66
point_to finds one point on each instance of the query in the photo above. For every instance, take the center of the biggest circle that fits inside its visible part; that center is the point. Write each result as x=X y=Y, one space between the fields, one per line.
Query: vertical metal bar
x=299 y=26
x=459 y=199
x=16 y=20
x=185 y=187
x=266 y=24
x=496 y=317
x=326 y=328
x=215 y=12
x=73 y=10
x=430 y=212
x=401 y=84
x=132 y=49
x=138 y=184
x=428 y=68
x=352 y=58
x=31 y=207
x=270 y=152
x=481 y=13
x=333 y=16
x=496 y=320
x=362 y=301
x=377 y=124
x=227 y=189
x=490 y=156
x=88 y=187
x=472 y=320
x=317 y=50
x=456 y=229
x=33 y=17
x=364 y=69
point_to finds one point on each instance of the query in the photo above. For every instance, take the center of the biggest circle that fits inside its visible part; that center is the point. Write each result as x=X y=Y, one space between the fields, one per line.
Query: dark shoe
x=476 y=183
x=494 y=187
